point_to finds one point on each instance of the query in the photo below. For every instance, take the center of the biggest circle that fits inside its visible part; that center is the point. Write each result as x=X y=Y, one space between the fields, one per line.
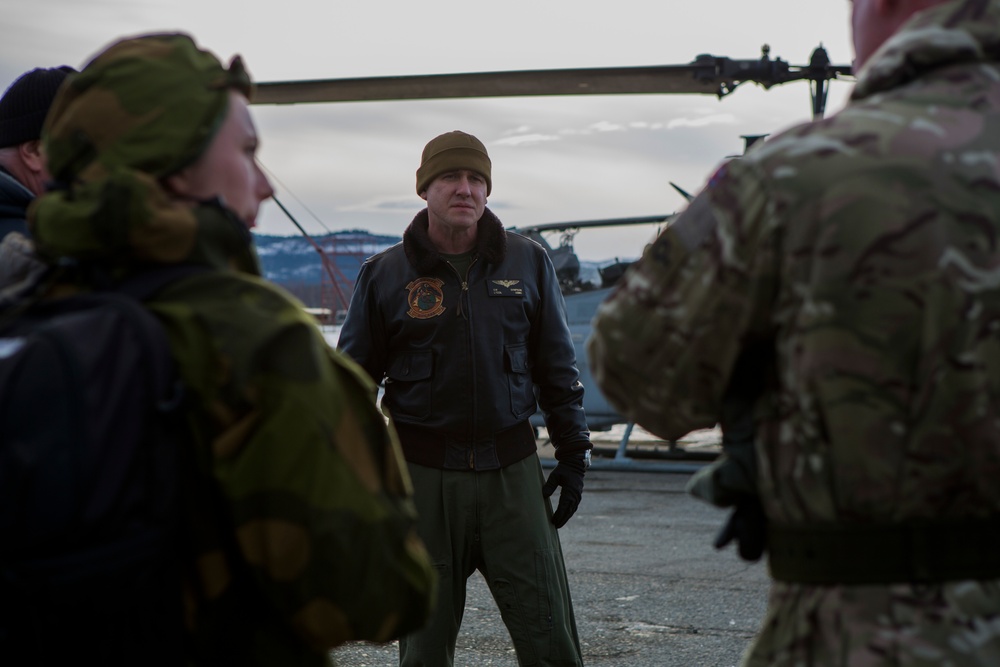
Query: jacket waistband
x=435 y=448
x=914 y=552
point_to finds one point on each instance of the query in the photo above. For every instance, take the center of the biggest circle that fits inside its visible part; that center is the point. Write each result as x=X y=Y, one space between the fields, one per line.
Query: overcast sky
x=351 y=165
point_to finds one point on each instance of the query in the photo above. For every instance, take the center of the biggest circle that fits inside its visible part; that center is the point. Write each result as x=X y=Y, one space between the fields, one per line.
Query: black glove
x=747 y=525
x=567 y=474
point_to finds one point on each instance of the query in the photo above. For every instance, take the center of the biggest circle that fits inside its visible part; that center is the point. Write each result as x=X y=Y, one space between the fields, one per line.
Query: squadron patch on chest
x=425 y=297
x=506 y=288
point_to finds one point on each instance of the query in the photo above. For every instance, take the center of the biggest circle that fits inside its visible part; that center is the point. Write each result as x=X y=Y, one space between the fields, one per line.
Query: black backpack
x=91 y=432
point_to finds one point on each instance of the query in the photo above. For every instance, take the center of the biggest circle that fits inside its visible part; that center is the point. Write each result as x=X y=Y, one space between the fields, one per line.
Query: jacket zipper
x=464 y=297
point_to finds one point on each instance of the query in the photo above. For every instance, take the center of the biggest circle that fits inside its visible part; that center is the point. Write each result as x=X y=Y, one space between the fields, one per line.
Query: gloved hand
x=726 y=480
x=568 y=474
x=747 y=525
x=731 y=480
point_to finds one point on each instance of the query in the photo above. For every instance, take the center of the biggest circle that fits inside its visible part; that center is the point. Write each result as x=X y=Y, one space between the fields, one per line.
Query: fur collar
x=491 y=241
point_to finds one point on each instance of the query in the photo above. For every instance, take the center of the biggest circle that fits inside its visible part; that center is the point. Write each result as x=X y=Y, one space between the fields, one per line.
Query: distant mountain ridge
x=292 y=259
x=293 y=263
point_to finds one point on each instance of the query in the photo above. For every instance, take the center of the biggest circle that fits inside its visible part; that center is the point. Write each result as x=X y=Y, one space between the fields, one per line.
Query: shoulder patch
x=426 y=298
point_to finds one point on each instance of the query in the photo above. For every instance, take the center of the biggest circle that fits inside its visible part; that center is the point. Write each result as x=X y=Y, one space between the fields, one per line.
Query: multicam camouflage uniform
x=302 y=521
x=864 y=252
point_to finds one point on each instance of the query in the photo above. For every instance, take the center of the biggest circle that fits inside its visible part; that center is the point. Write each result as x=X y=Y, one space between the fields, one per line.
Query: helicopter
x=582 y=294
x=705 y=75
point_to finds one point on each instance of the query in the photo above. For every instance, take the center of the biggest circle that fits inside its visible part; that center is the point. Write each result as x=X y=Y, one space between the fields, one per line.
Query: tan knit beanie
x=451 y=151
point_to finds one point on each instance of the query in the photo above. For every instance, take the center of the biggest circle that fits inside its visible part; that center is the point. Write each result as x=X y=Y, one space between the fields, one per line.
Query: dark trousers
x=498 y=523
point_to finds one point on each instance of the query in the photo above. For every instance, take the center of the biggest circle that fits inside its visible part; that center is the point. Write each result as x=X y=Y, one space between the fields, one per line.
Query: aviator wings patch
x=506 y=288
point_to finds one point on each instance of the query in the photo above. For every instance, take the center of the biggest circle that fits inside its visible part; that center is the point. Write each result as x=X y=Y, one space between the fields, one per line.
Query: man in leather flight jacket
x=466 y=325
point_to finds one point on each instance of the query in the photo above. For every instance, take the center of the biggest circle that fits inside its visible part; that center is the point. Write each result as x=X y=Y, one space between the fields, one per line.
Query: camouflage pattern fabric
x=152 y=104
x=141 y=110
x=302 y=524
x=312 y=480
x=864 y=250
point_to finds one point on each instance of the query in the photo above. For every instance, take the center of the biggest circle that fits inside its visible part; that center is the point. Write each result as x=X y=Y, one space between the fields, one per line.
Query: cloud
x=521 y=136
x=704 y=121
x=598 y=127
x=605 y=126
x=389 y=205
x=517 y=130
x=526 y=139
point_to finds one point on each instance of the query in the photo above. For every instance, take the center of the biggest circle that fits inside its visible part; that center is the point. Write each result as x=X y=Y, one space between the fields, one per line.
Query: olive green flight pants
x=496 y=522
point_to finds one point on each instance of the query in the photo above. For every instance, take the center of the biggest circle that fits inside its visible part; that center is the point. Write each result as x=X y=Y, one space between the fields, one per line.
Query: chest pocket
x=518 y=367
x=409 y=383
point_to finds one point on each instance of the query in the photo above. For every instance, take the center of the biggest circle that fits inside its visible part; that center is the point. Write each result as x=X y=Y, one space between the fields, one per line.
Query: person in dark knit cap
x=465 y=323
x=23 y=172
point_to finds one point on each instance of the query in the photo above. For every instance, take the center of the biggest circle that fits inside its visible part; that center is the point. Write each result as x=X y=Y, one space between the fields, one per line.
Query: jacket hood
x=952 y=33
x=14 y=197
x=491 y=241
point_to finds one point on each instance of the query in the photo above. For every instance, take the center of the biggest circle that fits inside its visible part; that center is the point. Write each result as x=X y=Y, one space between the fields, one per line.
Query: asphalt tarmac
x=648 y=587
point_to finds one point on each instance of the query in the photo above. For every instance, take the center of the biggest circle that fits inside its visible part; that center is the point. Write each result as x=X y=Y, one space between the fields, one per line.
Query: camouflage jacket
x=300 y=515
x=861 y=251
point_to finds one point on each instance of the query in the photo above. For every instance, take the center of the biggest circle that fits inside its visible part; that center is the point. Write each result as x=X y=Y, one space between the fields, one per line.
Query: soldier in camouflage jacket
x=301 y=519
x=856 y=260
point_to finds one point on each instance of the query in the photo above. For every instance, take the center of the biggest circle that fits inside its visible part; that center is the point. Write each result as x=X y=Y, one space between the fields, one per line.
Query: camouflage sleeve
x=308 y=468
x=665 y=342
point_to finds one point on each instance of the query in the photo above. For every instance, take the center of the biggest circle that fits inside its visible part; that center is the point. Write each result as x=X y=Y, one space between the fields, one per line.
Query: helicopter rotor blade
x=580 y=224
x=613 y=81
x=688 y=197
x=706 y=75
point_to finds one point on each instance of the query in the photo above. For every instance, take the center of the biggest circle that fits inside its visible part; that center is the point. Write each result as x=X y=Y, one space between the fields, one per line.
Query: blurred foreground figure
x=295 y=523
x=843 y=281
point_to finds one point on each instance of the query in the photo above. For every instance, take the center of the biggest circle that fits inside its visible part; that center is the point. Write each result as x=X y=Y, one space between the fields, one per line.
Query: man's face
x=860 y=17
x=228 y=169
x=875 y=21
x=456 y=199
